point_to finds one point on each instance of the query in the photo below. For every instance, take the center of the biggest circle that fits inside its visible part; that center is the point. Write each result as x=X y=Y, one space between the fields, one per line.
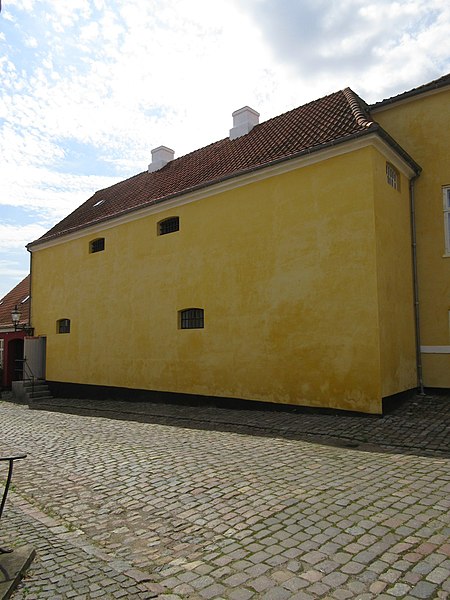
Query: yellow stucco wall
x=287 y=270
x=421 y=126
x=395 y=281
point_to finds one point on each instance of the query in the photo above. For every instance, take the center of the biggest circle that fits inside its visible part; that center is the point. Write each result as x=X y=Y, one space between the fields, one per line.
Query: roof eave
x=373 y=128
x=434 y=86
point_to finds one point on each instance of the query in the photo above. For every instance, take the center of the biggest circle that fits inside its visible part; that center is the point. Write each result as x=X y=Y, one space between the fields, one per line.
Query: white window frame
x=1 y=353
x=446 y=208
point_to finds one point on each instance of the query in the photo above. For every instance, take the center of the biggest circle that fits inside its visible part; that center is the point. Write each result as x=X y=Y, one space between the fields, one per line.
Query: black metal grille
x=64 y=326
x=192 y=318
x=169 y=225
x=98 y=245
x=392 y=176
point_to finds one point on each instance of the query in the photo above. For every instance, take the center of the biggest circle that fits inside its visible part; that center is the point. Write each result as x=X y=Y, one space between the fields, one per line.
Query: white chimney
x=160 y=157
x=244 y=120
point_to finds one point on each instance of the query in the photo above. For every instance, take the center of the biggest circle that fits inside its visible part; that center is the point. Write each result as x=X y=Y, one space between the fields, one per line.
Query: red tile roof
x=19 y=295
x=328 y=121
x=427 y=87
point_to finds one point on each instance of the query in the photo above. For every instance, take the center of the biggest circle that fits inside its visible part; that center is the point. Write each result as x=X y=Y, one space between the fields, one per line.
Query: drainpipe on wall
x=416 y=286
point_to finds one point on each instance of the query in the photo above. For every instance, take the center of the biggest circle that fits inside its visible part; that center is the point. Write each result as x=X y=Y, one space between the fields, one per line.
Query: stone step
x=37 y=391
x=29 y=384
x=39 y=401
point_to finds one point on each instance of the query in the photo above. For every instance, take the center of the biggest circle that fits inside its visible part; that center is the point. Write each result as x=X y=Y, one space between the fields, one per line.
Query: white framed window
x=446 y=194
x=392 y=176
x=1 y=353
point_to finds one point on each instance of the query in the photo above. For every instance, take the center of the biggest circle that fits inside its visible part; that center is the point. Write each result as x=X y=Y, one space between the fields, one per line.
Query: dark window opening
x=63 y=326
x=168 y=225
x=97 y=245
x=192 y=318
x=392 y=176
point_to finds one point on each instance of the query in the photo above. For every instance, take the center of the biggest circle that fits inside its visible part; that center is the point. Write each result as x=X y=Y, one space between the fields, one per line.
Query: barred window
x=168 y=225
x=97 y=245
x=392 y=176
x=63 y=326
x=191 y=318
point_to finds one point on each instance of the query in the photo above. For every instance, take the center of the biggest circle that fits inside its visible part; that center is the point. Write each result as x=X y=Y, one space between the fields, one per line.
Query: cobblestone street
x=230 y=504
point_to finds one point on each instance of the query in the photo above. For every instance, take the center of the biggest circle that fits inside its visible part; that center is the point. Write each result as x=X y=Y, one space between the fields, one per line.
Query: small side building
x=420 y=120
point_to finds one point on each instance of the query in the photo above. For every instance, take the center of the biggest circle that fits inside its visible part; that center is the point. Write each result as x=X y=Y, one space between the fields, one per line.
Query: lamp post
x=15 y=316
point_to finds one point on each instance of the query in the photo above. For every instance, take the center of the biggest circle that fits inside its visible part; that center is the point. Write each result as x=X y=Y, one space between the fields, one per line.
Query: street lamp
x=15 y=316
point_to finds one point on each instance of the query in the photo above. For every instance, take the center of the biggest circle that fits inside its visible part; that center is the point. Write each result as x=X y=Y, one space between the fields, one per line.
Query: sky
x=89 y=87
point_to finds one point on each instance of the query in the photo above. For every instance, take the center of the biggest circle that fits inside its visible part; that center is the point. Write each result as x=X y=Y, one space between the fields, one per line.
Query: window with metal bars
x=192 y=318
x=97 y=245
x=63 y=326
x=392 y=176
x=168 y=225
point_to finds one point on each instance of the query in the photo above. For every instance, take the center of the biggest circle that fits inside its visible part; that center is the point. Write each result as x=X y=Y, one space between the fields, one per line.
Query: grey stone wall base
x=18 y=392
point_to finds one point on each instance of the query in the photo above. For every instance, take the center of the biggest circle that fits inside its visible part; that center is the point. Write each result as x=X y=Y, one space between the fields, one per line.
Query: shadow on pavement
x=419 y=425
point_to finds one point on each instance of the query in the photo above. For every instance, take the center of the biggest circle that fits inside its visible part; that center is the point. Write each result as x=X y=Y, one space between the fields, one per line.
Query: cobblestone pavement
x=419 y=425
x=137 y=510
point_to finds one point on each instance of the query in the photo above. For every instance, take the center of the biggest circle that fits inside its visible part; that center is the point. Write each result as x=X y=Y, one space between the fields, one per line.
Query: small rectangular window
x=168 y=225
x=97 y=245
x=63 y=326
x=392 y=176
x=446 y=191
x=192 y=318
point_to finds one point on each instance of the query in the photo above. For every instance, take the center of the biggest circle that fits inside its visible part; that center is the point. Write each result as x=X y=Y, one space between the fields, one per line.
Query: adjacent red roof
x=427 y=87
x=19 y=295
x=328 y=121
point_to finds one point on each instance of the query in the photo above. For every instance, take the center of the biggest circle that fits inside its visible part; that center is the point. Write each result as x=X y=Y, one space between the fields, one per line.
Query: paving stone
x=352 y=567
x=295 y=584
x=312 y=575
x=341 y=594
x=213 y=591
x=237 y=579
x=261 y=583
x=276 y=593
x=423 y=590
x=335 y=579
x=241 y=594
x=399 y=590
x=438 y=575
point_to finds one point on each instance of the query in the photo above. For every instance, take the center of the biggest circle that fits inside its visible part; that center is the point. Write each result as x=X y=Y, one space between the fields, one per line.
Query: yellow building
x=420 y=120
x=274 y=265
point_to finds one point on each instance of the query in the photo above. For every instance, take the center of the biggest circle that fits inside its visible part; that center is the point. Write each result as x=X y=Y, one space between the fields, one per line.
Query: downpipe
x=419 y=369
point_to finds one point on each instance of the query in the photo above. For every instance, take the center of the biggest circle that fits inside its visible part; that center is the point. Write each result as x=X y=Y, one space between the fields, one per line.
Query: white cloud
x=12 y=271
x=49 y=194
x=31 y=42
x=18 y=237
x=380 y=47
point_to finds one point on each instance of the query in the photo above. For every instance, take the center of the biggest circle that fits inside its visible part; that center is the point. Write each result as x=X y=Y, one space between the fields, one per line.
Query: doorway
x=14 y=361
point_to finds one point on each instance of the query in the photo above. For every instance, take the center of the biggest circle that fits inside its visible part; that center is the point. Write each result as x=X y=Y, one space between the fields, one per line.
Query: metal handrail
x=31 y=376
